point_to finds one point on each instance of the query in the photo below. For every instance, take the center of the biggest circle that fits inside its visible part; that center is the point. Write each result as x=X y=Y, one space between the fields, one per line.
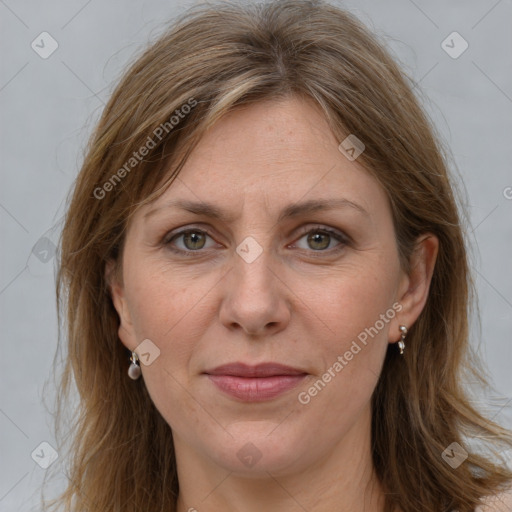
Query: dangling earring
x=134 y=371
x=401 y=344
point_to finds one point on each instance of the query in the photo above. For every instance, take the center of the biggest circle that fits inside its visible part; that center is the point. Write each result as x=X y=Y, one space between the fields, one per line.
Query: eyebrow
x=290 y=211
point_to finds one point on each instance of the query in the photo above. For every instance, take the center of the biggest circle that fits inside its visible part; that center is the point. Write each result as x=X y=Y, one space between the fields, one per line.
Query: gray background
x=49 y=107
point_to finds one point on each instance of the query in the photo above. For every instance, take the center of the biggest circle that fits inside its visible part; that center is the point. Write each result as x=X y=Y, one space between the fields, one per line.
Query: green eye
x=194 y=239
x=188 y=241
x=320 y=239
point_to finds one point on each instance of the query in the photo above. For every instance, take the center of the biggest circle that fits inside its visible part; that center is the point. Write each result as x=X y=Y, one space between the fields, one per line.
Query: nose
x=255 y=298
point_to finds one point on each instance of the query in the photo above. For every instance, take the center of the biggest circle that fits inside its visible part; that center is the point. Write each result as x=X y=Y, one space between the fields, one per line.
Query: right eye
x=191 y=240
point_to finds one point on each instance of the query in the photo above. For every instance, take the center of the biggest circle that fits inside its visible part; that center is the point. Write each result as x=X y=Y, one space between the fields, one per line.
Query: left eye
x=321 y=239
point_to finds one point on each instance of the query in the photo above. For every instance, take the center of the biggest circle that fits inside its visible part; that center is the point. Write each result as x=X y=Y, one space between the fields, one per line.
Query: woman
x=266 y=284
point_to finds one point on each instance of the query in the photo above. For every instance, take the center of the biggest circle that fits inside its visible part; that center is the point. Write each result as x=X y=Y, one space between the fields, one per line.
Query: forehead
x=271 y=153
x=265 y=139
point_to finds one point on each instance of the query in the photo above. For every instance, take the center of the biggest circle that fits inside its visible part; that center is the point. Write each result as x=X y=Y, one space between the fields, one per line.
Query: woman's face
x=315 y=288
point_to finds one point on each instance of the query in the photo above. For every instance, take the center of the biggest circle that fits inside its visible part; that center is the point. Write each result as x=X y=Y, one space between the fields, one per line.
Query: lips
x=255 y=383
x=260 y=370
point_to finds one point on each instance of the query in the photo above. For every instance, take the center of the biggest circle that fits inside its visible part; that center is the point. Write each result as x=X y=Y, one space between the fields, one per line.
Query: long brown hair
x=216 y=58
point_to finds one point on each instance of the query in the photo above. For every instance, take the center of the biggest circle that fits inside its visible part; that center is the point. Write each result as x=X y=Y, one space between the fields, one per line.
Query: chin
x=255 y=452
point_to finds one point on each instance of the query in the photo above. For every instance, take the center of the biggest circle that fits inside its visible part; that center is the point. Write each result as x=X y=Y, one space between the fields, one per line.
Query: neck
x=343 y=480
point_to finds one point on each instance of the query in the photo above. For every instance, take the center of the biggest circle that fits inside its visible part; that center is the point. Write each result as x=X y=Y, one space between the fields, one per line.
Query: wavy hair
x=219 y=57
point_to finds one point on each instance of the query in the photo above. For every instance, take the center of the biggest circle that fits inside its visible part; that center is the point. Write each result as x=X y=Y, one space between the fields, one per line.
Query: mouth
x=255 y=383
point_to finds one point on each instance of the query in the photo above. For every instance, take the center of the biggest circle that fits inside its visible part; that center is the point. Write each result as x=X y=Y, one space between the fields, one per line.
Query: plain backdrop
x=49 y=107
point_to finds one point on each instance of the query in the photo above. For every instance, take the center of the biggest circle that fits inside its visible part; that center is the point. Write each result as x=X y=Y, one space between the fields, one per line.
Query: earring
x=134 y=370
x=401 y=344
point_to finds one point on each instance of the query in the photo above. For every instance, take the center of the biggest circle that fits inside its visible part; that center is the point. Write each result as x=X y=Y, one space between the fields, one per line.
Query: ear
x=126 y=330
x=414 y=286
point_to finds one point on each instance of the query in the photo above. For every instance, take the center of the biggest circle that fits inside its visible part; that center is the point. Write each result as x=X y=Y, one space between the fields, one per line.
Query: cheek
x=163 y=299
x=160 y=307
x=354 y=302
x=163 y=312
x=358 y=310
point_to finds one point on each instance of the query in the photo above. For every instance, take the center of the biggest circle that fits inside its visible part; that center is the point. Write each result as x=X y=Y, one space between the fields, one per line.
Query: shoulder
x=498 y=503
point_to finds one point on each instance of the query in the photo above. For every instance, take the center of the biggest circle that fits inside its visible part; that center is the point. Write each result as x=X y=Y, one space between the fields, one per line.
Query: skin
x=301 y=302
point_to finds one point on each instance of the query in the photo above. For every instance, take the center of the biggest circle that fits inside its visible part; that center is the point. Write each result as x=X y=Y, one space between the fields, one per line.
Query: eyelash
x=340 y=237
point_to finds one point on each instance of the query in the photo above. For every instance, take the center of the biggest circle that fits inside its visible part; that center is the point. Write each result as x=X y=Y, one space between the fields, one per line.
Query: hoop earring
x=403 y=334
x=134 y=370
